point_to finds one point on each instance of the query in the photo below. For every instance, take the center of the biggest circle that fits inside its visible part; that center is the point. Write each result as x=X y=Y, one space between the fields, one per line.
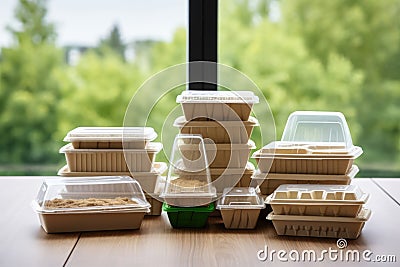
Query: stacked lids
x=316 y=144
x=114 y=151
x=318 y=210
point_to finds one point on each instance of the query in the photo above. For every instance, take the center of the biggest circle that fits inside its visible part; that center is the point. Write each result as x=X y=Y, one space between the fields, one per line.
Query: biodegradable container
x=268 y=182
x=188 y=191
x=223 y=178
x=90 y=217
x=240 y=207
x=220 y=155
x=152 y=198
x=217 y=105
x=188 y=217
x=317 y=200
x=111 y=137
x=221 y=132
x=300 y=158
x=111 y=160
x=320 y=226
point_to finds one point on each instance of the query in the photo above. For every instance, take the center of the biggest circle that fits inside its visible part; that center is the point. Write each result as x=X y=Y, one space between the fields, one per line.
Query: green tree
x=29 y=93
x=113 y=42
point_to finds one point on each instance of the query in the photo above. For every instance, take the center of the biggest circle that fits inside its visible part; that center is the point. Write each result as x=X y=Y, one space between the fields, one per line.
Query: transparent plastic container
x=111 y=160
x=97 y=203
x=217 y=105
x=111 y=137
x=240 y=207
x=268 y=182
x=317 y=200
x=328 y=129
x=320 y=226
x=221 y=132
x=188 y=191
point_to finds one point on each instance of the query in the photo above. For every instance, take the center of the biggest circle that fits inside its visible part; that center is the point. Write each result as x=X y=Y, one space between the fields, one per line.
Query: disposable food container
x=188 y=217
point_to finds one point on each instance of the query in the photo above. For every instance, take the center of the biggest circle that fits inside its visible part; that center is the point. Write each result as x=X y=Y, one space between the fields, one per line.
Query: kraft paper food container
x=320 y=226
x=221 y=132
x=153 y=198
x=317 y=200
x=111 y=160
x=188 y=217
x=268 y=182
x=284 y=157
x=217 y=105
x=240 y=207
x=111 y=137
x=118 y=204
x=220 y=155
x=223 y=177
x=188 y=191
x=318 y=127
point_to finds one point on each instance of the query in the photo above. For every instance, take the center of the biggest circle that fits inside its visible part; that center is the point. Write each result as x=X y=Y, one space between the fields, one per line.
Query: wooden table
x=24 y=243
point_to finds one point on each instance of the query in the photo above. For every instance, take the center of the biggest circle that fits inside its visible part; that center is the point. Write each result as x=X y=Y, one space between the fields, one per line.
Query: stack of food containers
x=115 y=151
x=319 y=210
x=223 y=119
x=90 y=204
x=316 y=148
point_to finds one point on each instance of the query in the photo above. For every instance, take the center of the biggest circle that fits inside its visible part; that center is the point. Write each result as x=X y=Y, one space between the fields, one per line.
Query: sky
x=85 y=22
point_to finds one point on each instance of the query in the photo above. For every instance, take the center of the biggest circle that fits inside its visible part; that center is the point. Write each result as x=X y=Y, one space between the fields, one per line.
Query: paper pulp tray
x=320 y=226
x=221 y=132
x=305 y=159
x=111 y=160
x=156 y=206
x=188 y=217
x=268 y=182
x=220 y=155
x=317 y=200
x=240 y=207
x=111 y=137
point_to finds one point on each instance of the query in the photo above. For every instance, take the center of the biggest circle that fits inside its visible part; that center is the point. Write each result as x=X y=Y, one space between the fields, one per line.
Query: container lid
x=317 y=194
x=90 y=194
x=181 y=122
x=317 y=127
x=289 y=150
x=245 y=97
x=107 y=134
x=241 y=198
x=362 y=216
x=258 y=175
x=198 y=187
x=154 y=147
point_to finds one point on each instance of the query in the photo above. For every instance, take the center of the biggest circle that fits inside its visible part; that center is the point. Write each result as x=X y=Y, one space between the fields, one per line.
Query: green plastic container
x=188 y=217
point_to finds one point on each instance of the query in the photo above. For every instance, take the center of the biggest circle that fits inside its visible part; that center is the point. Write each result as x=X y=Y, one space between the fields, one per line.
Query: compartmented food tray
x=111 y=137
x=317 y=200
x=188 y=217
x=111 y=160
x=240 y=207
x=118 y=203
x=220 y=155
x=222 y=132
x=320 y=226
x=268 y=182
x=217 y=105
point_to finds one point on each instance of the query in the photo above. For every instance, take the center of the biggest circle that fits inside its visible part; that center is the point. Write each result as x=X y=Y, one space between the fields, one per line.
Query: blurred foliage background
x=333 y=55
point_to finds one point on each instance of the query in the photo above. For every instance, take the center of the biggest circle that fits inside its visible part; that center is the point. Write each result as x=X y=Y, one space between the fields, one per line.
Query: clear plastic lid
x=241 y=198
x=284 y=149
x=90 y=194
x=188 y=191
x=106 y=134
x=246 y=97
x=318 y=128
x=154 y=147
x=317 y=193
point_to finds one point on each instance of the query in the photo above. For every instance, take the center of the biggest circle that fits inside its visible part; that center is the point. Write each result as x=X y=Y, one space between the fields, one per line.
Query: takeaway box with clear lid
x=111 y=137
x=217 y=105
x=97 y=203
x=188 y=191
x=317 y=200
x=240 y=207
